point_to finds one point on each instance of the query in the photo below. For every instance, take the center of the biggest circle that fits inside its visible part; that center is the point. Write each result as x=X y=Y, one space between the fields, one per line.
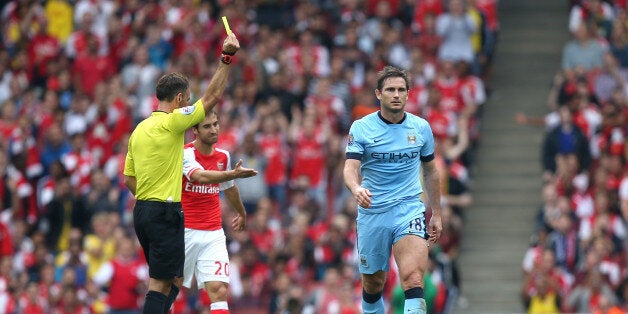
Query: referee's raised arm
x=215 y=88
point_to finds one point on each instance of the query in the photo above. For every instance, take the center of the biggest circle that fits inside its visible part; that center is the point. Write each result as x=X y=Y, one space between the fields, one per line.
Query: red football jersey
x=201 y=202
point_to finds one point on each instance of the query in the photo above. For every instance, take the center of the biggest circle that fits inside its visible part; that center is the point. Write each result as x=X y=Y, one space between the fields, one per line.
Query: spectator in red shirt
x=31 y=301
x=423 y=9
x=308 y=156
x=90 y=68
x=272 y=142
x=42 y=48
x=6 y=242
x=125 y=275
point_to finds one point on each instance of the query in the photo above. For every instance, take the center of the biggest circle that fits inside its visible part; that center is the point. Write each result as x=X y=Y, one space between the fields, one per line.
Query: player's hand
x=231 y=44
x=362 y=197
x=435 y=227
x=241 y=172
x=238 y=223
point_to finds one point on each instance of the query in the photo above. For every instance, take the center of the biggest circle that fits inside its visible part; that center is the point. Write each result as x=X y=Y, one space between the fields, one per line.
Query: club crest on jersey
x=187 y=110
x=350 y=141
x=220 y=165
x=363 y=261
x=411 y=138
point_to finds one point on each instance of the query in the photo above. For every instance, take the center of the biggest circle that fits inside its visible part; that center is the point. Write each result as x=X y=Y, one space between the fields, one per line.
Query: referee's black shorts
x=159 y=228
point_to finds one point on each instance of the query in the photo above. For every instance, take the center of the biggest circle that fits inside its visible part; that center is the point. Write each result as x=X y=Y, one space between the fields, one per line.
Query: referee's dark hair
x=170 y=85
x=391 y=71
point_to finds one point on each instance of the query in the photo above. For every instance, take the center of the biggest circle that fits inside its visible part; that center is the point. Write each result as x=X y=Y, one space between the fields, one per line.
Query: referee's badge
x=187 y=110
x=411 y=138
x=221 y=166
x=350 y=141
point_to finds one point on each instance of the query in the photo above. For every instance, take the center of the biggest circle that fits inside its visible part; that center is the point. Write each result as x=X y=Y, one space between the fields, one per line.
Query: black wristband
x=228 y=53
x=226 y=59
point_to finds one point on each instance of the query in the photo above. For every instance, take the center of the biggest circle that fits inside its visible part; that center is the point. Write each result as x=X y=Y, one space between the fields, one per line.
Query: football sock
x=414 y=304
x=174 y=291
x=220 y=307
x=372 y=303
x=154 y=302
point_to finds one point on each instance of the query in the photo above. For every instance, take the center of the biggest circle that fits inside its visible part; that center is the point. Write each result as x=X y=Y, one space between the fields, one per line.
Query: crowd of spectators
x=76 y=76
x=578 y=258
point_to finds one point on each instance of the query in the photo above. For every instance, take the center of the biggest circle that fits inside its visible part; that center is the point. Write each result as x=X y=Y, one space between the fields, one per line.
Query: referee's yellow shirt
x=155 y=155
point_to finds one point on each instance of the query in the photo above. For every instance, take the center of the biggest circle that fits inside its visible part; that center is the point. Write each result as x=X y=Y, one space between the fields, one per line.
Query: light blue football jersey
x=390 y=156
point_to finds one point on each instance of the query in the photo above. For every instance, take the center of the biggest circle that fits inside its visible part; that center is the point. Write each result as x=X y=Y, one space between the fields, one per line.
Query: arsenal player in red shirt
x=207 y=171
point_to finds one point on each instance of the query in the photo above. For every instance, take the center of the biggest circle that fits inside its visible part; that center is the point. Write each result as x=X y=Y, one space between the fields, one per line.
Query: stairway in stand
x=507 y=173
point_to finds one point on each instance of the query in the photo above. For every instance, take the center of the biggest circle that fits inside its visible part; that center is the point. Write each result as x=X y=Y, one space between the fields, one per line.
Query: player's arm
x=131 y=183
x=233 y=197
x=352 y=178
x=215 y=176
x=432 y=187
x=213 y=92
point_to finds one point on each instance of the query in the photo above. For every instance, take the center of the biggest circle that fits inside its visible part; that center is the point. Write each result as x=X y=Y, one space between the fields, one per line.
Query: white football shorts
x=206 y=257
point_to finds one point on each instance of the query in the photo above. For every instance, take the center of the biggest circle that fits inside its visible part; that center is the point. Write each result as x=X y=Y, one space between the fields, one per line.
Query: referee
x=152 y=172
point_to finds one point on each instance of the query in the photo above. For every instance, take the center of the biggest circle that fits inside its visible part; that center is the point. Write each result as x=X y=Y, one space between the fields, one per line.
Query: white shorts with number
x=206 y=257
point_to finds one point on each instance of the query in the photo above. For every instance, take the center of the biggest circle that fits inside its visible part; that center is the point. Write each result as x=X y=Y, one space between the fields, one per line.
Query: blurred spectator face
x=581 y=33
x=549 y=193
x=70 y=297
x=456 y=7
x=7 y=111
x=101 y=224
x=86 y=22
x=331 y=279
x=249 y=144
x=141 y=56
x=47 y=274
x=383 y=10
x=564 y=224
x=548 y=260
x=601 y=202
x=32 y=292
x=6 y=267
x=126 y=248
x=595 y=280
x=282 y=282
x=63 y=188
x=92 y=45
x=592 y=259
x=249 y=256
x=55 y=135
x=541 y=284
x=309 y=126
x=448 y=68
x=78 y=142
x=68 y=278
x=51 y=100
x=566 y=117
x=268 y=125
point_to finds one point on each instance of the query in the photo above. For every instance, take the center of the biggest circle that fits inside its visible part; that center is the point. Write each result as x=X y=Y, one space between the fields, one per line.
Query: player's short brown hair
x=391 y=71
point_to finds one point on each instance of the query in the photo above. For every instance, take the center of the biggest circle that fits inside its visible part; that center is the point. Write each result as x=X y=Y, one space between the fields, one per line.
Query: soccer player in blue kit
x=386 y=152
